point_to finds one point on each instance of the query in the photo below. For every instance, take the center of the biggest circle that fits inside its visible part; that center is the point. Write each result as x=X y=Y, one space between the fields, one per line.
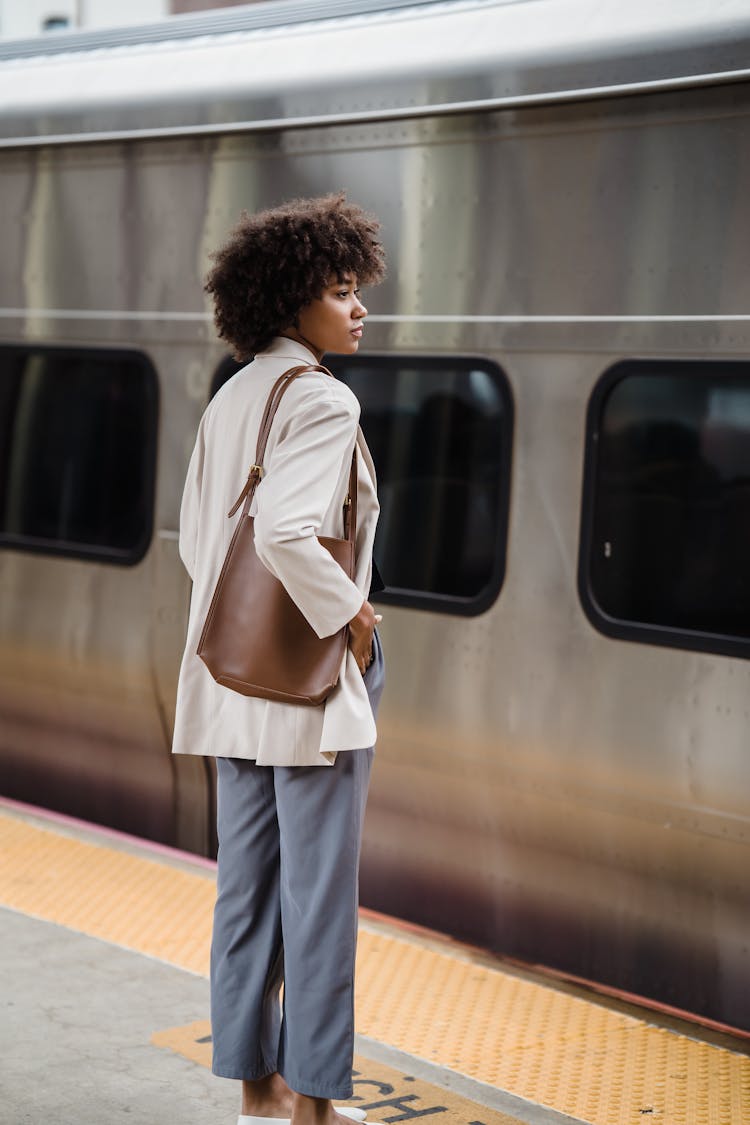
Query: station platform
x=104 y=942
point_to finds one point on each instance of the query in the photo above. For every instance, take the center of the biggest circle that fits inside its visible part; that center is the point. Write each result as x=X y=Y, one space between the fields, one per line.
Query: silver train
x=555 y=382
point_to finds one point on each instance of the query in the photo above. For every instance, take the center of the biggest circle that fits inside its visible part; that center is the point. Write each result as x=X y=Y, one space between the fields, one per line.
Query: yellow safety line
x=126 y=899
x=562 y=1051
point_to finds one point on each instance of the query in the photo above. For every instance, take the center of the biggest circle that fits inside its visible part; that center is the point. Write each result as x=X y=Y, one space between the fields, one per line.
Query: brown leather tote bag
x=255 y=640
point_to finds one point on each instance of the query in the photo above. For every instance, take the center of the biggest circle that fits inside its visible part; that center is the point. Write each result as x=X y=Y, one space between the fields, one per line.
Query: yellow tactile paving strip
x=126 y=899
x=576 y=1056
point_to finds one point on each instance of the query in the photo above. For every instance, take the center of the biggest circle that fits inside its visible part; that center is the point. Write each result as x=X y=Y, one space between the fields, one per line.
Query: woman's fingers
x=362 y=652
x=361 y=635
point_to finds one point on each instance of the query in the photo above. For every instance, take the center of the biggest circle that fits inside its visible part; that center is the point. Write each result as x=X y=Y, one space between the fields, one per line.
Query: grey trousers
x=286 y=912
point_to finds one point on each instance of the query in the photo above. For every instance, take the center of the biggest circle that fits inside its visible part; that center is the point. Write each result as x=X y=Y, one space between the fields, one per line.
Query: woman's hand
x=361 y=633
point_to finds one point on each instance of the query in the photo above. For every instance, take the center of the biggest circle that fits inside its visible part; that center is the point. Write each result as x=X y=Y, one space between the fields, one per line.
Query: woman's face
x=333 y=322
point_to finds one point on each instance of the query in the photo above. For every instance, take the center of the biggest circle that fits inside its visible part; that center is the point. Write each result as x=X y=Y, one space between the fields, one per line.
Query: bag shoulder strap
x=277 y=392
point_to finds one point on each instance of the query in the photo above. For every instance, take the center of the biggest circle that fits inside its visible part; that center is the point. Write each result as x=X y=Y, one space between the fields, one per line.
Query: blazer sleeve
x=191 y=503
x=292 y=501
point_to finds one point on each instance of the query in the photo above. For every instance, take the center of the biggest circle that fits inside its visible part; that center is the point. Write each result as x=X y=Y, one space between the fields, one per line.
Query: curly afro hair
x=277 y=261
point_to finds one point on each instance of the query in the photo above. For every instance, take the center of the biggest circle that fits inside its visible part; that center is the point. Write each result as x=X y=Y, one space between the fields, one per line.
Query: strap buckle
x=256 y=469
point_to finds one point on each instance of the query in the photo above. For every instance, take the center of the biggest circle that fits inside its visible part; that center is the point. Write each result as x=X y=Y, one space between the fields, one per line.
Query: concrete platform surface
x=75 y=1034
x=92 y=1034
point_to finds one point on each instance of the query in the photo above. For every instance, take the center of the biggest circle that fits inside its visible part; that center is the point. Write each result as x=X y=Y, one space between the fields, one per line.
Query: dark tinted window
x=77 y=449
x=224 y=372
x=439 y=430
x=666 y=543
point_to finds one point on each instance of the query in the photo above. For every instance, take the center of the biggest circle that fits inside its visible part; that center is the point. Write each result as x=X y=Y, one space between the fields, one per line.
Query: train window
x=224 y=372
x=665 y=550
x=77 y=451
x=439 y=429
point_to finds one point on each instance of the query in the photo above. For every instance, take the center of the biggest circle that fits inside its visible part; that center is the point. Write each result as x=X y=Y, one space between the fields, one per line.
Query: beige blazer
x=301 y=495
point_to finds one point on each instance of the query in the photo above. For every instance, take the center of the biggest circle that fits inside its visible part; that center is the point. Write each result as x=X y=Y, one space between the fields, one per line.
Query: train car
x=556 y=387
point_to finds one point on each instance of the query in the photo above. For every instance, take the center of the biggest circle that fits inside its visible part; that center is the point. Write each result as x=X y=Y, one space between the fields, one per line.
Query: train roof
x=301 y=63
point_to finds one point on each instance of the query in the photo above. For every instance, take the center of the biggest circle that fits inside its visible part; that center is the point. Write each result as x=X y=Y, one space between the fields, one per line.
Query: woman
x=292 y=780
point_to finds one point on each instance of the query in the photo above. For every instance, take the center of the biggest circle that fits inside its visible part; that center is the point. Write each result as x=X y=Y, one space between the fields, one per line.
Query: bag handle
x=278 y=390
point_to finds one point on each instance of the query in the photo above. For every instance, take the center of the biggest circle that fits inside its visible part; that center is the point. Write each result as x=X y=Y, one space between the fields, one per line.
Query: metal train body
x=560 y=188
